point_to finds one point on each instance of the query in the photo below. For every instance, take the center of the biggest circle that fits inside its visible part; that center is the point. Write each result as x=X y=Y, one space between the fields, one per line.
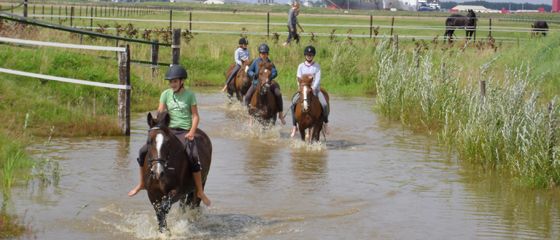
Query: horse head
x=265 y=70
x=472 y=18
x=160 y=144
x=243 y=71
x=306 y=91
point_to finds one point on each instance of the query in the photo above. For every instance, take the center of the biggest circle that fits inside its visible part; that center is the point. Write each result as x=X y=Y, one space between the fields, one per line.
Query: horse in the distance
x=240 y=83
x=167 y=174
x=458 y=21
x=308 y=111
x=539 y=28
x=263 y=105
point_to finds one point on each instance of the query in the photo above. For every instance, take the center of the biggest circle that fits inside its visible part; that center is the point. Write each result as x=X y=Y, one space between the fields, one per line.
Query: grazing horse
x=167 y=174
x=458 y=21
x=308 y=111
x=539 y=27
x=240 y=82
x=263 y=105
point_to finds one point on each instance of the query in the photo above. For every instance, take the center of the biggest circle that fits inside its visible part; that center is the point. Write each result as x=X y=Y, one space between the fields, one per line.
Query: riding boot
x=249 y=94
x=197 y=176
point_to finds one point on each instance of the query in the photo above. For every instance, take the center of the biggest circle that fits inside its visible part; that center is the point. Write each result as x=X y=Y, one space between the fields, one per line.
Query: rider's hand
x=190 y=135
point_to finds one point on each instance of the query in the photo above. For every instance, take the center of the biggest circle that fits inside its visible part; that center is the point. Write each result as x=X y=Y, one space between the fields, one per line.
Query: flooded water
x=371 y=180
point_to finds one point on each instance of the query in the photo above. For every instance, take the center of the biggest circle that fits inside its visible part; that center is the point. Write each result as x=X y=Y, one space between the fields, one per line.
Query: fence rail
x=124 y=74
x=60 y=45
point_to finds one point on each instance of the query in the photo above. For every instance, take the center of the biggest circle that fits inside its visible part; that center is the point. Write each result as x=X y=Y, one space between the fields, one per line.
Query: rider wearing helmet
x=241 y=54
x=253 y=74
x=309 y=66
x=182 y=108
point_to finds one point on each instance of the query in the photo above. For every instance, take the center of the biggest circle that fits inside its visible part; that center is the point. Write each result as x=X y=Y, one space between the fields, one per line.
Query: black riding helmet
x=309 y=50
x=176 y=71
x=243 y=41
x=263 y=48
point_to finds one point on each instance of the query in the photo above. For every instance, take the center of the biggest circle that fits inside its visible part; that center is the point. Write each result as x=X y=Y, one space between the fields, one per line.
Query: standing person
x=253 y=73
x=241 y=54
x=292 y=23
x=310 y=67
x=182 y=107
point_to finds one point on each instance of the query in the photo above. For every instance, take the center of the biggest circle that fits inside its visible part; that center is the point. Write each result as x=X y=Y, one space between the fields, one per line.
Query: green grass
x=511 y=129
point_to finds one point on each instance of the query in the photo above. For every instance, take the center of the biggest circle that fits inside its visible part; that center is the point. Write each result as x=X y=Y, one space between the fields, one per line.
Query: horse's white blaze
x=159 y=166
x=305 y=105
x=266 y=70
x=159 y=142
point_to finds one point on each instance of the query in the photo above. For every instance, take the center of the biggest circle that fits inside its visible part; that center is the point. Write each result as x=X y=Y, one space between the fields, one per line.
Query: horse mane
x=265 y=65
x=306 y=79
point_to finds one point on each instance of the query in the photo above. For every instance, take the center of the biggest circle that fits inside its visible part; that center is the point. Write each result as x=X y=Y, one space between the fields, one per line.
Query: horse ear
x=151 y=121
x=166 y=119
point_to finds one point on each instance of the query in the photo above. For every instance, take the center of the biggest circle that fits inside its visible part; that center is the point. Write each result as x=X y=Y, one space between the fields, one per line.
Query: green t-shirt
x=179 y=107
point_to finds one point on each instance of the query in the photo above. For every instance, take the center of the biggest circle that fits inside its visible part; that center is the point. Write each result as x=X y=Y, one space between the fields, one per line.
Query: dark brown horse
x=308 y=111
x=539 y=27
x=263 y=105
x=168 y=177
x=458 y=21
x=240 y=83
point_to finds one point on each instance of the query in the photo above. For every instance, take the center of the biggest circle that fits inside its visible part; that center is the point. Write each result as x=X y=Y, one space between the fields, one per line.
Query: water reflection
x=260 y=161
x=511 y=210
x=309 y=166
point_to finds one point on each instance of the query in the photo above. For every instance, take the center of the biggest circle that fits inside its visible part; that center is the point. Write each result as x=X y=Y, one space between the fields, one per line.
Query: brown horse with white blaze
x=240 y=81
x=308 y=111
x=167 y=174
x=263 y=104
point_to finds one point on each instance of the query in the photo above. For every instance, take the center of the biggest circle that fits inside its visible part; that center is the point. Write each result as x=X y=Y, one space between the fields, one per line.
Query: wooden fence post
x=267 y=24
x=176 y=46
x=190 y=21
x=490 y=28
x=170 y=19
x=483 y=88
x=91 y=19
x=155 y=56
x=52 y=12
x=370 y=26
x=392 y=24
x=24 y=8
x=72 y=16
x=124 y=94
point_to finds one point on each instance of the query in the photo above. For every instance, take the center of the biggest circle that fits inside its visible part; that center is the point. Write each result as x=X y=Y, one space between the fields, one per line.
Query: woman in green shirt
x=181 y=105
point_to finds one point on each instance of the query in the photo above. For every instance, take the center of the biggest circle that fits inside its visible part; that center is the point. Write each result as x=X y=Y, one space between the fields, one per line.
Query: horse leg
x=162 y=208
x=183 y=204
x=317 y=131
x=302 y=133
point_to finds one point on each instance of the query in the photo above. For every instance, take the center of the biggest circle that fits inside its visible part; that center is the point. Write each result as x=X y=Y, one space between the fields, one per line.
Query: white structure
x=410 y=5
x=219 y=2
x=479 y=9
x=265 y=1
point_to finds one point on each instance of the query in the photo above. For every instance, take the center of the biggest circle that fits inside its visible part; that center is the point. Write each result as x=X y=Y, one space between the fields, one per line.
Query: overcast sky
x=549 y=2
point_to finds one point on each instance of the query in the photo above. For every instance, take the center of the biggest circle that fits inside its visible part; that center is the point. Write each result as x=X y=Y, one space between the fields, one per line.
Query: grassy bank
x=513 y=128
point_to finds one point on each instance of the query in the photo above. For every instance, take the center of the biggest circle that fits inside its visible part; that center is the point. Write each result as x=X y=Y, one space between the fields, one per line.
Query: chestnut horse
x=308 y=111
x=263 y=102
x=167 y=174
x=240 y=82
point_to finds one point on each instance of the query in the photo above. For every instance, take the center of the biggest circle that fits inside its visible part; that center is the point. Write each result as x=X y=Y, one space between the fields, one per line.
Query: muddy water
x=371 y=180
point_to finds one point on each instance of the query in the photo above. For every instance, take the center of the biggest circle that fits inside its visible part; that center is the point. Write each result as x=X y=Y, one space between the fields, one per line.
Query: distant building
x=412 y=5
x=265 y=1
x=555 y=5
x=480 y=9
